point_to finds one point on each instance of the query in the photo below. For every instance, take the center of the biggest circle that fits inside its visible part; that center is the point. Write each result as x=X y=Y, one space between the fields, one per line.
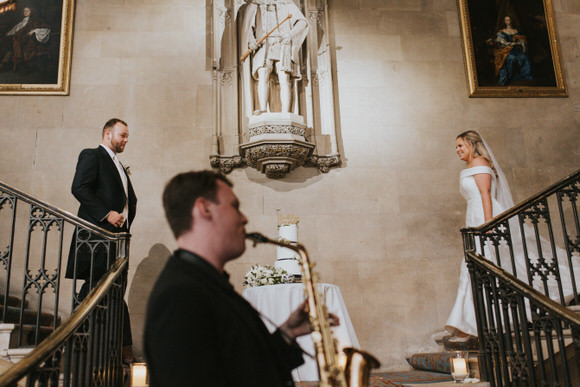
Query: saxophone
x=351 y=367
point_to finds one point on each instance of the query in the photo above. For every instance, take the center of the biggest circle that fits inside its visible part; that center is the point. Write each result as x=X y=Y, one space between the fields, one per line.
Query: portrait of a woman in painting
x=511 y=62
x=511 y=48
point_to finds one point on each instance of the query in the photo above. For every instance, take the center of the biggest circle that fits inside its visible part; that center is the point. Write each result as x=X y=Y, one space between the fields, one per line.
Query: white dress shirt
x=123 y=176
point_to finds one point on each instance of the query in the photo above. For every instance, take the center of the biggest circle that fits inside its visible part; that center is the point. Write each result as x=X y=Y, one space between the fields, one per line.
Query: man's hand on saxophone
x=298 y=323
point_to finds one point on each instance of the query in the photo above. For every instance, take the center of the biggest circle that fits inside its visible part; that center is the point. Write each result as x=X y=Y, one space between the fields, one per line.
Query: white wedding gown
x=462 y=317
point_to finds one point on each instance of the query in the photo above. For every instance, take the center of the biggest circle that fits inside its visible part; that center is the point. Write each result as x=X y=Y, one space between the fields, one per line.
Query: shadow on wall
x=141 y=286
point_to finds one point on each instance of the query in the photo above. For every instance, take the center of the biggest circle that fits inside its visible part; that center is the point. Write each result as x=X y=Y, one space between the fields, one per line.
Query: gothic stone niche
x=273 y=98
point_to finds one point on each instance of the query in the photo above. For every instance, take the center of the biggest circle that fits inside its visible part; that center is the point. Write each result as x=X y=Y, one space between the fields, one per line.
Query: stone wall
x=384 y=226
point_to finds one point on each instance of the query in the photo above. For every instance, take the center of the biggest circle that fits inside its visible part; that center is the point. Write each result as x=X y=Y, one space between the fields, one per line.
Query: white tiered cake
x=288 y=259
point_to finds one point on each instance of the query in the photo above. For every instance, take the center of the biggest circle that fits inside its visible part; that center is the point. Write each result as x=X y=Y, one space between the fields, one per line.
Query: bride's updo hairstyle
x=474 y=140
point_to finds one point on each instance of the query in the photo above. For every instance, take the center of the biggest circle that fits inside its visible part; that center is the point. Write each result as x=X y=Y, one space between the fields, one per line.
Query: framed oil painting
x=511 y=48
x=35 y=46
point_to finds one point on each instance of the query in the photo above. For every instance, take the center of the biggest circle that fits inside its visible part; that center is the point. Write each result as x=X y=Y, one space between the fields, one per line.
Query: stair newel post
x=27 y=282
x=572 y=196
x=468 y=239
x=116 y=313
x=576 y=340
x=6 y=257
x=57 y=272
x=469 y=246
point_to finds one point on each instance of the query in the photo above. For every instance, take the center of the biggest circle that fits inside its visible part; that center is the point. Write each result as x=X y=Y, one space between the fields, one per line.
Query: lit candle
x=139 y=378
x=459 y=371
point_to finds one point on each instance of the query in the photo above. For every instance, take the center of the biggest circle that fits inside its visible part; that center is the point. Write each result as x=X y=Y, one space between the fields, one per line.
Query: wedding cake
x=286 y=258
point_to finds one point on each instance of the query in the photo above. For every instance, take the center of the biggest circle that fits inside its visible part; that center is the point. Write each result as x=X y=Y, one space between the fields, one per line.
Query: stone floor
x=447 y=384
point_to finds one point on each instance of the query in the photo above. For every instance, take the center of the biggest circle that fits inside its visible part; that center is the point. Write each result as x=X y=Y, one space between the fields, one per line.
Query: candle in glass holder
x=459 y=368
x=139 y=375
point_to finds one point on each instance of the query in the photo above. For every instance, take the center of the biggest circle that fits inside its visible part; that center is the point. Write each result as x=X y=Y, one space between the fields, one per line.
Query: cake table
x=277 y=302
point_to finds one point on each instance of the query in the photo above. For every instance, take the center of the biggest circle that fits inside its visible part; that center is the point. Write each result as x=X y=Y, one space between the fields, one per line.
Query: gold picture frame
x=511 y=48
x=35 y=46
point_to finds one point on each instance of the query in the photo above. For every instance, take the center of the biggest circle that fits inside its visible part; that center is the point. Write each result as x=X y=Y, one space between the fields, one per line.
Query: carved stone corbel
x=323 y=163
x=226 y=164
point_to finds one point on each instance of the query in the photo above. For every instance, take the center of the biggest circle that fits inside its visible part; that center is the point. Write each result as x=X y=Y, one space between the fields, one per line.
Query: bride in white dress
x=478 y=184
x=485 y=188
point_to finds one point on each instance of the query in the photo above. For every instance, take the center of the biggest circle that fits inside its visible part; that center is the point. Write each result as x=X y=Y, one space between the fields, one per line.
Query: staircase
x=441 y=361
x=13 y=334
x=529 y=328
x=18 y=339
x=47 y=335
x=529 y=334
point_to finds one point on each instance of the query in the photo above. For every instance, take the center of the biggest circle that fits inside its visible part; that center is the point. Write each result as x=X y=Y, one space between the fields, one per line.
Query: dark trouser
x=86 y=288
x=99 y=260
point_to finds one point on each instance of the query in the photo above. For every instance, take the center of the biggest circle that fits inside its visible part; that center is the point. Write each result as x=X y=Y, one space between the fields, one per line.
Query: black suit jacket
x=99 y=189
x=200 y=332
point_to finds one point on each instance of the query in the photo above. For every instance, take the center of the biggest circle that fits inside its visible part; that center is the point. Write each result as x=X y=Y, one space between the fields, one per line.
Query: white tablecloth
x=276 y=302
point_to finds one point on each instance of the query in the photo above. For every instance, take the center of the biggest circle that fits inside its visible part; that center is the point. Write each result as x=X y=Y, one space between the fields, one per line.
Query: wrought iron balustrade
x=36 y=298
x=86 y=349
x=524 y=266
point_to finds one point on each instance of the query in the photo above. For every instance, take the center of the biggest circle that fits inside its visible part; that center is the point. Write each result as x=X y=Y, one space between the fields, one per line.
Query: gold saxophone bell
x=349 y=368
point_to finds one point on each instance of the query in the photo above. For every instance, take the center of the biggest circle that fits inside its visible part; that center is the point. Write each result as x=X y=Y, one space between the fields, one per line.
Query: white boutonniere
x=128 y=170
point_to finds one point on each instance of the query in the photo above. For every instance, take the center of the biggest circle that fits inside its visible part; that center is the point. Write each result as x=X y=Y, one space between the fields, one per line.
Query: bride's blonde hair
x=474 y=140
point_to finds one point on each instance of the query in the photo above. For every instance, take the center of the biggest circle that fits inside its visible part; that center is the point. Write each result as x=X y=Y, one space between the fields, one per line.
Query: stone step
x=454 y=343
x=447 y=384
x=574 y=308
x=12 y=301
x=441 y=362
x=28 y=316
x=9 y=335
x=6 y=364
x=14 y=355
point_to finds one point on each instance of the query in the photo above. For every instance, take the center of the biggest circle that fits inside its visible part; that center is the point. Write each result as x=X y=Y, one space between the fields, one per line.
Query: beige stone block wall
x=384 y=226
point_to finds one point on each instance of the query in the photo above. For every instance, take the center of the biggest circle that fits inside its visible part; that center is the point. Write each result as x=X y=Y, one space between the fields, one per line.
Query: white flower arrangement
x=265 y=275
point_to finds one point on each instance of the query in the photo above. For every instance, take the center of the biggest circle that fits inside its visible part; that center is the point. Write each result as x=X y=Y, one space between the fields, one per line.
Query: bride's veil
x=503 y=192
x=504 y=197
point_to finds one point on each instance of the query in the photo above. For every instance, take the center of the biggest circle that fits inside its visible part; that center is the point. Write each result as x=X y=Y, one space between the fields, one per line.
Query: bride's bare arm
x=483 y=181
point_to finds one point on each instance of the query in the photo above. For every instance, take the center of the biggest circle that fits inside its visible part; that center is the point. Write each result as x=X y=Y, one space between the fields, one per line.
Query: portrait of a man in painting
x=34 y=56
x=27 y=50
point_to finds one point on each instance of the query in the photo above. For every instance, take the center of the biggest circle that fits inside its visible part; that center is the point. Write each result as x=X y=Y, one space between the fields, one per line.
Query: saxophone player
x=198 y=330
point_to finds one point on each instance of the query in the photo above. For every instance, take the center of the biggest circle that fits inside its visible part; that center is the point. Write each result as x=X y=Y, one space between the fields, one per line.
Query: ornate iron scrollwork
x=536 y=212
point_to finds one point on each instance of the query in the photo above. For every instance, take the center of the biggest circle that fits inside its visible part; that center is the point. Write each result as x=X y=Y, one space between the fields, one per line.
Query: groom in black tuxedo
x=102 y=186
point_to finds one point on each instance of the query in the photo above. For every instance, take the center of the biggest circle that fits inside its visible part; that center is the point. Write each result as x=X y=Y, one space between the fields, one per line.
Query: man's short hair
x=183 y=190
x=112 y=122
